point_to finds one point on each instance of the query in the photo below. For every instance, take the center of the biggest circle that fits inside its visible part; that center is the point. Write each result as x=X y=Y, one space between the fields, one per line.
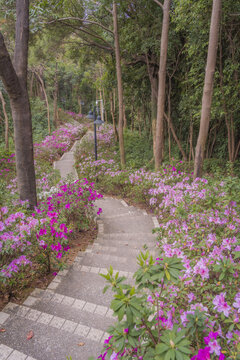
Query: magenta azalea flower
x=203 y=354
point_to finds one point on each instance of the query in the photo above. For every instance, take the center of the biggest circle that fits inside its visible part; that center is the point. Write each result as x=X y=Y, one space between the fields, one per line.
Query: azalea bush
x=155 y=322
x=198 y=225
x=36 y=242
x=60 y=141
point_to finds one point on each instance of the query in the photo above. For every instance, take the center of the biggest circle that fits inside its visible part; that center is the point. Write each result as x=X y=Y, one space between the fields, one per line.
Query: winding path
x=71 y=316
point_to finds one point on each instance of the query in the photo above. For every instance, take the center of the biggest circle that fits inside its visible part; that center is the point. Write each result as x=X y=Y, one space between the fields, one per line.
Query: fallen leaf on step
x=81 y=344
x=2 y=330
x=30 y=334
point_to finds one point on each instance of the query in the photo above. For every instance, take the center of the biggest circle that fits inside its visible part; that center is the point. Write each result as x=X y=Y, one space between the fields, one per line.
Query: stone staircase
x=71 y=317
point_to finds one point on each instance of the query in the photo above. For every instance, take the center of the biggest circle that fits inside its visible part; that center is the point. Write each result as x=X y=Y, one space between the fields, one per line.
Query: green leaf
x=121 y=312
x=167 y=274
x=179 y=355
x=106 y=288
x=170 y=355
x=116 y=304
x=161 y=348
x=184 y=350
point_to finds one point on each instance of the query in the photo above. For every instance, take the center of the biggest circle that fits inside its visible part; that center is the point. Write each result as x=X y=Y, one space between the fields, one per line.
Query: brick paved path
x=71 y=316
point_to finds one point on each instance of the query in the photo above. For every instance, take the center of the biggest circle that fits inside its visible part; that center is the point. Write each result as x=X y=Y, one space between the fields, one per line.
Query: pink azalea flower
x=214 y=347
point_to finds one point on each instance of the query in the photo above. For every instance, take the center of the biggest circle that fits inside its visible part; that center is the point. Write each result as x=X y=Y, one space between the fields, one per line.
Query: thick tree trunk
x=120 y=88
x=5 y=120
x=15 y=82
x=161 y=86
x=208 y=88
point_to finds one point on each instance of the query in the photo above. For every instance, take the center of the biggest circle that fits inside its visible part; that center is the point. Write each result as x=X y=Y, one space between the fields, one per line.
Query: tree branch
x=81 y=20
x=159 y=3
x=83 y=30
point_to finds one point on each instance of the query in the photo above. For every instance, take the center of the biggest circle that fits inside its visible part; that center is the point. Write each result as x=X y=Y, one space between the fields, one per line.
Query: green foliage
x=138 y=149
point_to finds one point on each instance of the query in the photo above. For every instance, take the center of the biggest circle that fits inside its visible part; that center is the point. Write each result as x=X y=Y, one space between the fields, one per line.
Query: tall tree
x=119 y=81
x=208 y=88
x=159 y=147
x=14 y=78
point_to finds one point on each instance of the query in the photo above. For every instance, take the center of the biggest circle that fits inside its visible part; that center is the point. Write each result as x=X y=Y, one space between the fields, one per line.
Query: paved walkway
x=71 y=316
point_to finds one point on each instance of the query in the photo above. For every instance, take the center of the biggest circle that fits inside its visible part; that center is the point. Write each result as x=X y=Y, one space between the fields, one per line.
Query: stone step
x=138 y=235
x=55 y=339
x=131 y=224
x=8 y=353
x=39 y=299
x=112 y=206
x=119 y=250
x=61 y=315
x=105 y=260
x=68 y=156
x=84 y=282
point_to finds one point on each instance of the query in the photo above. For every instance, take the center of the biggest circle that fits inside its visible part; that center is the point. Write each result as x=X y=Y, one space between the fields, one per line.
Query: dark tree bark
x=120 y=88
x=14 y=79
x=208 y=88
x=161 y=84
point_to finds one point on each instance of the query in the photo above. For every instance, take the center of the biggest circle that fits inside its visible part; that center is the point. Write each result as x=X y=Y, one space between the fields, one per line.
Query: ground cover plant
x=33 y=242
x=185 y=303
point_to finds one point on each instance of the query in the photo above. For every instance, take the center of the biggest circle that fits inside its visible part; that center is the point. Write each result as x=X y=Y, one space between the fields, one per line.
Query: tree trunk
x=6 y=120
x=161 y=86
x=79 y=104
x=154 y=94
x=15 y=83
x=104 y=106
x=55 y=98
x=31 y=84
x=124 y=117
x=208 y=88
x=46 y=99
x=175 y=137
x=120 y=88
x=112 y=105
x=190 y=141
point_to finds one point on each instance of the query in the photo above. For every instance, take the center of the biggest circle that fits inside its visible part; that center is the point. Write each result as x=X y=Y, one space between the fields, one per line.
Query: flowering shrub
x=199 y=226
x=35 y=242
x=54 y=145
x=43 y=237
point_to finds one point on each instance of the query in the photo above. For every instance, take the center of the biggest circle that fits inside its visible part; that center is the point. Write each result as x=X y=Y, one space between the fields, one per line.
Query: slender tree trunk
x=6 y=120
x=79 y=104
x=15 y=83
x=169 y=120
x=119 y=81
x=154 y=94
x=154 y=112
x=104 y=106
x=124 y=117
x=190 y=141
x=55 y=98
x=208 y=88
x=31 y=84
x=161 y=86
x=46 y=100
x=112 y=106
